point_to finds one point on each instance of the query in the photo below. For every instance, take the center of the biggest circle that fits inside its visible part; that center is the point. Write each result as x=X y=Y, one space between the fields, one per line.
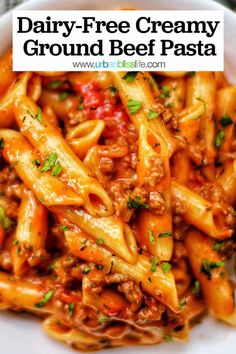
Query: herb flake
x=46 y=297
x=134 y=106
x=130 y=76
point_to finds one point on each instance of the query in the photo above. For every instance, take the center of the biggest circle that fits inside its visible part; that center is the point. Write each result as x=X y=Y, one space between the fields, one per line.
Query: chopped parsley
x=130 y=76
x=165 y=234
x=54 y=84
x=207 y=266
x=154 y=263
x=86 y=270
x=64 y=227
x=182 y=303
x=222 y=275
x=49 y=162
x=152 y=115
x=134 y=106
x=71 y=308
x=1 y=143
x=46 y=297
x=166 y=267
x=80 y=105
x=136 y=203
x=57 y=169
x=191 y=73
x=36 y=162
x=219 y=138
x=226 y=120
x=167 y=337
x=99 y=267
x=151 y=237
x=100 y=241
x=39 y=116
x=113 y=90
x=63 y=95
x=15 y=242
x=4 y=220
x=103 y=319
x=218 y=245
x=165 y=92
x=170 y=105
x=197 y=287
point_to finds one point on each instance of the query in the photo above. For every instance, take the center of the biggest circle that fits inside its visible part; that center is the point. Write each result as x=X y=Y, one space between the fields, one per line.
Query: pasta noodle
x=117 y=196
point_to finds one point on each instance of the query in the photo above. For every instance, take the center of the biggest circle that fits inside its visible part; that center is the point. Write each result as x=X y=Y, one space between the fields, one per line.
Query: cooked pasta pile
x=117 y=202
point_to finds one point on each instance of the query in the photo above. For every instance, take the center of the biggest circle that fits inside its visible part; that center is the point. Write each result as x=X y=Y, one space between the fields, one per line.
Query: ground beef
x=155 y=172
x=153 y=310
x=131 y=291
x=106 y=165
x=213 y=192
x=10 y=207
x=5 y=260
x=178 y=206
x=196 y=152
x=157 y=202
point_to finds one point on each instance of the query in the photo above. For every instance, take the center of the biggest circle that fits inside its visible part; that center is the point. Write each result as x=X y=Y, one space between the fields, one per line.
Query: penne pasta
x=161 y=285
x=31 y=232
x=74 y=172
x=84 y=136
x=48 y=189
x=201 y=213
x=208 y=268
x=111 y=232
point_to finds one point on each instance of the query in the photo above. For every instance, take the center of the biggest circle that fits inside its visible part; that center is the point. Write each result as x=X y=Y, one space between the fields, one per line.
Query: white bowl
x=22 y=334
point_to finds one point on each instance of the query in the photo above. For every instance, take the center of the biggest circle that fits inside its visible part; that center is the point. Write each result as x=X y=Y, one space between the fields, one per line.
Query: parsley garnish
x=154 y=263
x=152 y=115
x=151 y=237
x=130 y=76
x=165 y=234
x=136 y=203
x=218 y=245
x=166 y=267
x=197 y=287
x=182 y=303
x=4 y=220
x=47 y=297
x=71 y=308
x=15 y=242
x=63 y=95
x=113 y=90
x=1 y=143
x=134 y=106
x=36 y=162
x=39 y=116
x=170 y=105
x=222 y=275
x=226 y=120
x=100 y=241
x=49 y=162
x=54 y=84
x=165 y=92
x=99 y=267
x=103 y=319
x=80 y=105
x=86 y=270
x=219 y=138
x=57 y=169
x=167 y=337
x=207 y=266
x=64 y=227
x=191 y=73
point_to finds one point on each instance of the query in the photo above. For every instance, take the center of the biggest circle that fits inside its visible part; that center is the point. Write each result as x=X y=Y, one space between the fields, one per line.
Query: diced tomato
x=99 y=104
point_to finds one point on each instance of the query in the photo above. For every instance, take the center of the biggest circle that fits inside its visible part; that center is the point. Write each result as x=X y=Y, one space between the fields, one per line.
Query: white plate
x=22 y=334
